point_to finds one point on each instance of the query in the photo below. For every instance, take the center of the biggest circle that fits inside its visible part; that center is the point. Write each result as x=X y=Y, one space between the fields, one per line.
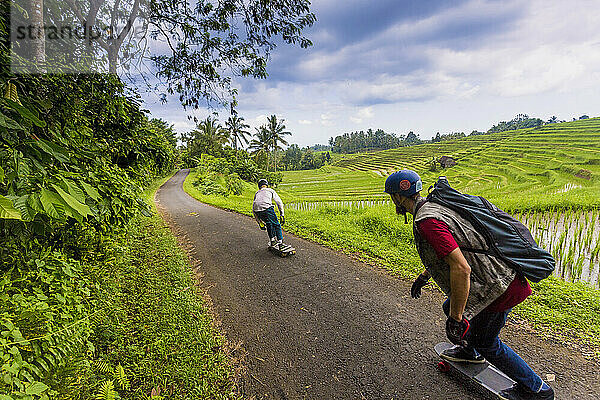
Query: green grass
x=241 y=203
x=153 y=321
x=570 y=310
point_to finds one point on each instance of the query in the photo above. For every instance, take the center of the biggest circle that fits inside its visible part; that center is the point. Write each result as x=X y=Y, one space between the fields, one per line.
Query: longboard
x=285 y=251
x=484 y=374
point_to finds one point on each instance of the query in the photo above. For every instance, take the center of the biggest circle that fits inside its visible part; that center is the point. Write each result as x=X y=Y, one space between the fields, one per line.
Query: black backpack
x=507 y=238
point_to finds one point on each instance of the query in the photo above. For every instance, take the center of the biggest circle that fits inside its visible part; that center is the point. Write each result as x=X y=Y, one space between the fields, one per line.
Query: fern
x=121 y=377
x=102 y=366
x=107 y=392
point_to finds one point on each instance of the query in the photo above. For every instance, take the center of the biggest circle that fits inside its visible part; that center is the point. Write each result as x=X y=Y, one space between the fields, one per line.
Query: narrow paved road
x=321 y=325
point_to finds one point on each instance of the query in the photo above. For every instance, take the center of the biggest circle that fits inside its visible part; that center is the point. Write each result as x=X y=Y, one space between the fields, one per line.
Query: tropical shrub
x=224 y=176
x=68 y=177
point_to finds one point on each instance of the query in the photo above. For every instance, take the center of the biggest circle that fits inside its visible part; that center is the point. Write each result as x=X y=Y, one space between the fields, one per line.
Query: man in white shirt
x=264 y=212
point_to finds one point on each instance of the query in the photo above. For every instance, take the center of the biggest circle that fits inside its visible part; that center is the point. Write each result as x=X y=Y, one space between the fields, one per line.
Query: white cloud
x=327 y=119
x=543 y=53
x=362 y=114
x=366 y=113
x=184 y=125
x=305 y=122
x=259 y=120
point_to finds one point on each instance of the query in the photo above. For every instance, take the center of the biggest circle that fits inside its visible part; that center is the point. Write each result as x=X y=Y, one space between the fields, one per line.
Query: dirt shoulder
x=321 y=325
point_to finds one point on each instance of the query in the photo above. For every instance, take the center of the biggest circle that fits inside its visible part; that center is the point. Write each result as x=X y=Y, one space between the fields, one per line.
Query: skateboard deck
x=285 y=251
x=484 y=374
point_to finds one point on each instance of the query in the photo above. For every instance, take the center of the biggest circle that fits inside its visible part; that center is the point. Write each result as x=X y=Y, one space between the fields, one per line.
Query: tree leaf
x=49 y=201
x=10 y=123
x=1 y=175
x=25 y=113
x=34 y=202
x=74 y=190
x=21 y=203
x=36 y=388
x=79 y=207
x=90 y=190
x=7 y=210
x=58 y=152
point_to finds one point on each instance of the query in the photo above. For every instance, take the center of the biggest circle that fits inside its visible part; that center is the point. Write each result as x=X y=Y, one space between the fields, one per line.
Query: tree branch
x=113 y=18
x=130 y=21
x=91 y=18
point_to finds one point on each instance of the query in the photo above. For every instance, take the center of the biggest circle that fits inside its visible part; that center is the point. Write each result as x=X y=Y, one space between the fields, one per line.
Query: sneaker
x=517 y=392
x=273 y=242
x=459 y=354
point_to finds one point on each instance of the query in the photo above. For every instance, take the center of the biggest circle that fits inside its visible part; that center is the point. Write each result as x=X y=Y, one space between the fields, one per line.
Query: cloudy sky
x=425 y=66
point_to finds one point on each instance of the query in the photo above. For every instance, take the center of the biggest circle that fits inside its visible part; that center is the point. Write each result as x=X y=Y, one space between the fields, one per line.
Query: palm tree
x=236 y=127
x=211 y=127
x=209 y=137
x=261 y=146
x=276 y=131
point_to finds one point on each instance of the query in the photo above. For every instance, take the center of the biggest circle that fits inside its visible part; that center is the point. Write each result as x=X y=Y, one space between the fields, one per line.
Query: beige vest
x=490 y=277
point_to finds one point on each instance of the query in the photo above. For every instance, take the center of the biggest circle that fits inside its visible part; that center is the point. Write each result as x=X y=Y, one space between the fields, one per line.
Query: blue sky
x=425 y=66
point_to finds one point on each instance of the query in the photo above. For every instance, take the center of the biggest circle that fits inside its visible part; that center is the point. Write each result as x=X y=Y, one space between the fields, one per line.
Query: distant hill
x=545 y=148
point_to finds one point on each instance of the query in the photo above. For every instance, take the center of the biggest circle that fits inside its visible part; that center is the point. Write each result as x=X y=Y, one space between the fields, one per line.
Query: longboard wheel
x=443 y=366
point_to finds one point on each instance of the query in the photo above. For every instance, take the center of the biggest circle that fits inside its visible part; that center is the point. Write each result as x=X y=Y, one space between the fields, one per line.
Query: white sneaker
x=273 y=242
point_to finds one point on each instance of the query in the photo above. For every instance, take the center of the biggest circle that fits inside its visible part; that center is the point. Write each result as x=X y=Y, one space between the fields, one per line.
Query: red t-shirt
x=438 y=235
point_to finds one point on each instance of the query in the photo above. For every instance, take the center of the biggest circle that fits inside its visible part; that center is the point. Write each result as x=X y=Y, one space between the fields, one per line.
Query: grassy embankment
x=519 y=171
x=153 y=321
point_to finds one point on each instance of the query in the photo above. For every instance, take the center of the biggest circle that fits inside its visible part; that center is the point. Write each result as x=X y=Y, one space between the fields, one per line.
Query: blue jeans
x=269 y=217
x=483 y=337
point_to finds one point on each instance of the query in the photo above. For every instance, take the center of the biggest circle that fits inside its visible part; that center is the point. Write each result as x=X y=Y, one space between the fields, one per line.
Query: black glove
x=415 y=289
x=282 y=220
x=457 y=331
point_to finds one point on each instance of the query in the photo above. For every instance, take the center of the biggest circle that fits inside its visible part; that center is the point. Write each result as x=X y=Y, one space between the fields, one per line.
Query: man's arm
x=460 y=283
x=258 y=221
x=279 y=203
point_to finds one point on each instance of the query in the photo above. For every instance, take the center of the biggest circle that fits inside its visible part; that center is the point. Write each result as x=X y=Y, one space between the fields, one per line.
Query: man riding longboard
x=264 y=213
x=482 y=288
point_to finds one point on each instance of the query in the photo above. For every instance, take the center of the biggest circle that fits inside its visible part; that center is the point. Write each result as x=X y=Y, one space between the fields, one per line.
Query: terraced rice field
x=548 y=177
x=332 y=183
x=554 y=166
